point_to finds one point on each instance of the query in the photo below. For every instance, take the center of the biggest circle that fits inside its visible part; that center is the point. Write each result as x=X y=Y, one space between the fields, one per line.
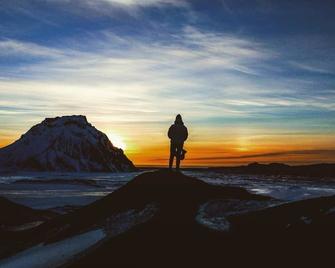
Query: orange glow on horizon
x=232 y=154
x=234 y=151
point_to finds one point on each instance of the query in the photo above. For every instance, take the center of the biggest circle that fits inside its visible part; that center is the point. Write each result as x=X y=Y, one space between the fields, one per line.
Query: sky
x=253 y=79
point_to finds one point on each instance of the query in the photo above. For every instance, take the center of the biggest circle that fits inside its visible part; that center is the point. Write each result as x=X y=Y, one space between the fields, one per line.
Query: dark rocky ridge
x=296 y=233
x=13 y=214
x=14 y=217
x=319 y=171
x=177 y=196
x=64 y=144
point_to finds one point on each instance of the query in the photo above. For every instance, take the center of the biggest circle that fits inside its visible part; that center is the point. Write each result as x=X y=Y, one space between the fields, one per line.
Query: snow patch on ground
x=219 y=223
x=55 y=254
x=25 y=226
x=330 y=211
x=306 y=220
x=213 y=214
x=61 y=252
x=288 y=188
x=122 y=222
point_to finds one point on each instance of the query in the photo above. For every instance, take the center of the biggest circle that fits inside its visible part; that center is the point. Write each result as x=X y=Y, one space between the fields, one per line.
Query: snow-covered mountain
x=65 y=144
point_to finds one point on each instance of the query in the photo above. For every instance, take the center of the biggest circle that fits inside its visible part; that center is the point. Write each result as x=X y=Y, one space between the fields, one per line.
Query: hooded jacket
x=178 y=132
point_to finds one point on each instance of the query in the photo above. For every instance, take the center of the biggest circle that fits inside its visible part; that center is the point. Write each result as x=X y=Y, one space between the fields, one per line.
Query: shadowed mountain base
x=296 y=232
x=167 y=219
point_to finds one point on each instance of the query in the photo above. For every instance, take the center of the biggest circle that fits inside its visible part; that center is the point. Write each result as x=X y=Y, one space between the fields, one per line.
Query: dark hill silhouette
x=14 y=217
x=173 y=238
x=13 y=214
x=178 y=196
x=259 y=229
x=314 y=171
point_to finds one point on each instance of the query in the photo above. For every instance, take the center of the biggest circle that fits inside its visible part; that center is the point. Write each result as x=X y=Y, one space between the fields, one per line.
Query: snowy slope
x=67 y=143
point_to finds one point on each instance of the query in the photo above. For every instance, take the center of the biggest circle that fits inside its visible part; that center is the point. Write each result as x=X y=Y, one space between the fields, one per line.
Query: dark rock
x=14 y=219
x=13 y=214
x=173 y=238
x=316 y=171
x=261 y=232
x=84 y=182
x=171 y=233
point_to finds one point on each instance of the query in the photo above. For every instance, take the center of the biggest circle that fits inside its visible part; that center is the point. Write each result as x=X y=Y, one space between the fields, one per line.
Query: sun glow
x=242 y=146
x=117 y=140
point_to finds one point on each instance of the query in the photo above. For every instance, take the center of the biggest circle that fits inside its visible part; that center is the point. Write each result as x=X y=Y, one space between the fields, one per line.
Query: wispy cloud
x=130 y=65
x=329 y=153
x=17 y=48
x=220 y=74
x=141 y=2
x=118 y=67
x=223 y=82
x=313 y=68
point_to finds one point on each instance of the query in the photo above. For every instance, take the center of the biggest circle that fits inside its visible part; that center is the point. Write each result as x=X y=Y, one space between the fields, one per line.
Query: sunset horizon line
x=203 y=155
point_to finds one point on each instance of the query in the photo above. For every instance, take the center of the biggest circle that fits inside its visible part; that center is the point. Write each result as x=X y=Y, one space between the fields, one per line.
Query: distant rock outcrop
x=320 y=171
x=65 y=144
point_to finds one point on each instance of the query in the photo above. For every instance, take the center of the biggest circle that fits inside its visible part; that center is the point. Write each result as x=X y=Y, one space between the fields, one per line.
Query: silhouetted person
x=178 y=135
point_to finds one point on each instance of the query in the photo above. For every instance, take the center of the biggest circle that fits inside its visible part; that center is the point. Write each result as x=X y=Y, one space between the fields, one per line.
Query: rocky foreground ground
x=167 y=219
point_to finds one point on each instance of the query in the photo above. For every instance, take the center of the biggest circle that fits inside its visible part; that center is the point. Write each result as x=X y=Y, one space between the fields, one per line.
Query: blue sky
x=251 y=76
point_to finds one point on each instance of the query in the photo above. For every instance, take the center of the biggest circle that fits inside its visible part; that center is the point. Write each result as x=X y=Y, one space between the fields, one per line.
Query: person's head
x=178 y=120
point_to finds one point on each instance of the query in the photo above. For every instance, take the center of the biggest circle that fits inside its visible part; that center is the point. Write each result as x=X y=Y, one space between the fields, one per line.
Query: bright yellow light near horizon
x=243 y=145
x=242 y=149
x=117 y=140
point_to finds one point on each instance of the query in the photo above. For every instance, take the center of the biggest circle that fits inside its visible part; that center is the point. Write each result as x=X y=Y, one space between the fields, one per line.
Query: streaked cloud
x=141 y=2
x=17 y=48
x=131 y=65
x=330 y=153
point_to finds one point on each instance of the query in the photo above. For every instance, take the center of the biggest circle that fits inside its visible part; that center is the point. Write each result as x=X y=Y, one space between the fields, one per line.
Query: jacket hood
x=179 y=120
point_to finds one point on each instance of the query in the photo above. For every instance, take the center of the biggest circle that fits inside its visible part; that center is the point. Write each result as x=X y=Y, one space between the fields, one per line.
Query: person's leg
x=178 y=155
x=172 y=154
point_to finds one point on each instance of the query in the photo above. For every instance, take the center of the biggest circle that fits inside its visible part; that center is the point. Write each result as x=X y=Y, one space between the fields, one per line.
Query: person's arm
x=186 y=134
x=170 y=132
